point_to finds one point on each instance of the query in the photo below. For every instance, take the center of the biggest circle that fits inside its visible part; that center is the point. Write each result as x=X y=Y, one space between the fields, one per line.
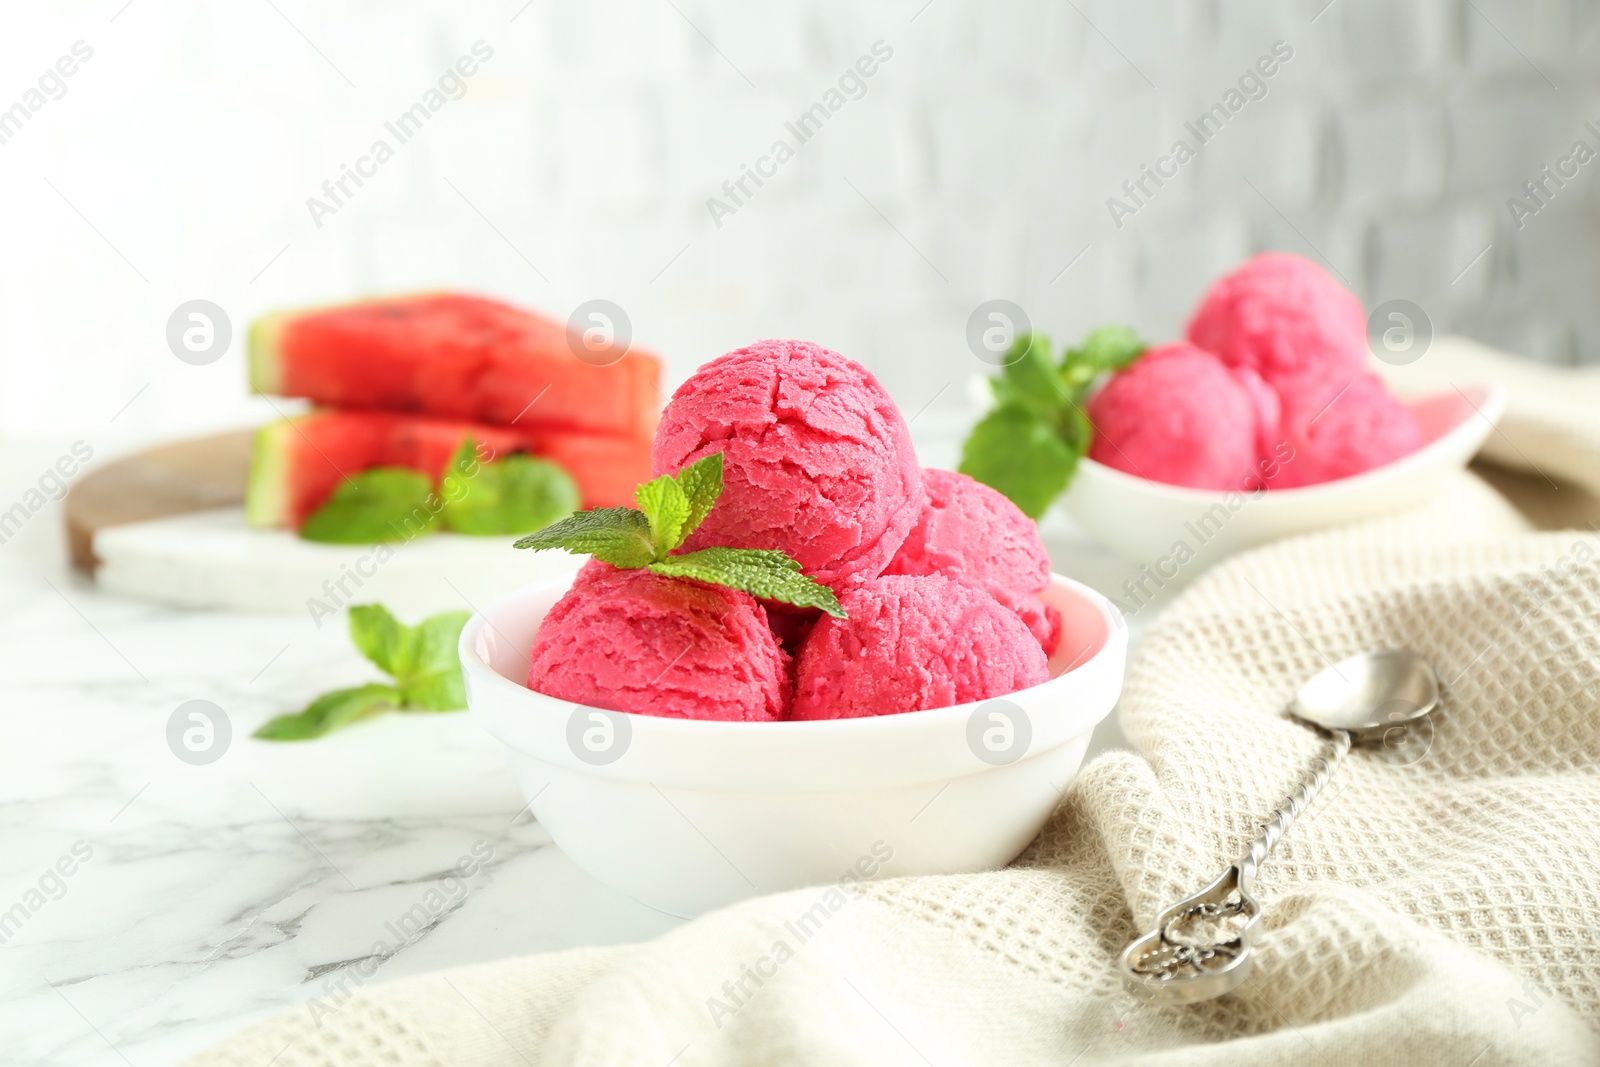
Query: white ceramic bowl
x=686 y=815
x=1143 y=519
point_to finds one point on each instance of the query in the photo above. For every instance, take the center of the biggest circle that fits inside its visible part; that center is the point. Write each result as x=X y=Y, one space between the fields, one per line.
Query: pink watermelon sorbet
x=913 y=642
x=974 y=534
x=1340 y=427
x=631 y=640
x=1179 y=415
x=817 y=463
x=817 y=460
x=1285 y=318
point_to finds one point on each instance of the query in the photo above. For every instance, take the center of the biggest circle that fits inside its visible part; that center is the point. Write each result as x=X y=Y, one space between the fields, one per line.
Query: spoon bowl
x=1369 y=694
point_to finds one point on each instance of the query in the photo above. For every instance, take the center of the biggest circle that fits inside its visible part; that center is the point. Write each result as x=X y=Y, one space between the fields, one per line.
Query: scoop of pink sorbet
x=1337 y=427
x=1283 y=317
x=1179 y=416
x=974 y=534
x=913 y=642
x=630 y=640
x=817 y=460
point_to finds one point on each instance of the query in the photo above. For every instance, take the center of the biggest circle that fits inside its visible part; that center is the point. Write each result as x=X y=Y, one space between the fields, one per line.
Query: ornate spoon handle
x=1328 y=760
x=1200 y=947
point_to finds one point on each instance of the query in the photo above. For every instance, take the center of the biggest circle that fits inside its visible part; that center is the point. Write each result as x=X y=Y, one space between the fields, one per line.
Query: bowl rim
x=1111 y=656
x=1490 y=405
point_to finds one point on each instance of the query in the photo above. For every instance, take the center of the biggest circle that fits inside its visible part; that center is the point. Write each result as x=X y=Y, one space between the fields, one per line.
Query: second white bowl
x=688 y=815
x=1144 y=519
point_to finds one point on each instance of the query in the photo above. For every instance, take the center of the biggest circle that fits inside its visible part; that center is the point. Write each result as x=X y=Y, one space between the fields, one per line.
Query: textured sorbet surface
x=1338 y=428
x=973 y=534
x=913 y=642
x=817 y=460
x=630 y=640
x=1179 y=416
x=1283 y=317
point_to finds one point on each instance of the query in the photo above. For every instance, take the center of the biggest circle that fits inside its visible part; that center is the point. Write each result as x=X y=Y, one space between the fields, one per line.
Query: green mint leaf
x=422 y=660
x=667 y=508
x=428 y=671
x=514 y=495
x=1077 y=432
x=436 y=692
x=329 y=712
x=379 y=636
x=378 y=504
x=1029 y=446
x=459 y=472
x=1000 y=389
x=618 y=536
x=1109 y=348
x=701 y=482
x=761 y=572
x=1021 y=454
x=1029 y=379
x=1112 y=347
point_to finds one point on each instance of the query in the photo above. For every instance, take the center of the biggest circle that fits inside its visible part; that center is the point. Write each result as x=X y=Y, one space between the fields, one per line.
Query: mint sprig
x=514 y=494
x=665 y=506
x=762 y=572
x=619 y=536
x=420 y=660
x=375 y=505
x=1029 y=446
x=671 y=508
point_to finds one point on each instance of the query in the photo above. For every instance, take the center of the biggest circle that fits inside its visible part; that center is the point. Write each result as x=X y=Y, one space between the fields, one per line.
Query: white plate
x=1144 y=519
x=211 y=559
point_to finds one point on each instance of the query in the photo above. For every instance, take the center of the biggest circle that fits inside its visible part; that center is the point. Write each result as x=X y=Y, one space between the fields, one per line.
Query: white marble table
x=213 y=894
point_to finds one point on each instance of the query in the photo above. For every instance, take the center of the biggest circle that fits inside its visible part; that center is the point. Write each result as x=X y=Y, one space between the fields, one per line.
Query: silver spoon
x=1200 y=947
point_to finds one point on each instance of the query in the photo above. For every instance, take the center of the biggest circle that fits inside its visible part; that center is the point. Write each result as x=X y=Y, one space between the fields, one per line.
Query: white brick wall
x=591 y=141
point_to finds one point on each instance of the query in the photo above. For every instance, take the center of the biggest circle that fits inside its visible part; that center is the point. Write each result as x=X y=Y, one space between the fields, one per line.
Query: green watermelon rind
x=266 y=495
x=265 y=366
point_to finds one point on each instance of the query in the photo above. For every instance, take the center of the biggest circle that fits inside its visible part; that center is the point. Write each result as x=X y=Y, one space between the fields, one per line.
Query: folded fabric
x=1436 y=908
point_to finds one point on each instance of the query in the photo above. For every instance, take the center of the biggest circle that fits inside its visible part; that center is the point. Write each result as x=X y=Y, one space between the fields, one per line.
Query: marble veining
x=213 y=894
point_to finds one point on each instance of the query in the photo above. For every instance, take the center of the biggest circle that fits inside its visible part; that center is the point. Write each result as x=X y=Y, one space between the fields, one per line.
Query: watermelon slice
x=296 y=463
x=454 y=356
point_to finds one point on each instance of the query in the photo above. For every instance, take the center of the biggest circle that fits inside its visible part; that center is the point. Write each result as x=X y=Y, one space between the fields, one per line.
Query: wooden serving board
x=175 y=479
x=167 y=525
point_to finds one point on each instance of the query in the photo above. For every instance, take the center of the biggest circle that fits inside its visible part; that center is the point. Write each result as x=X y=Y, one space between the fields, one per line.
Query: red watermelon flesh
x=298 y=462
x=454 y=356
